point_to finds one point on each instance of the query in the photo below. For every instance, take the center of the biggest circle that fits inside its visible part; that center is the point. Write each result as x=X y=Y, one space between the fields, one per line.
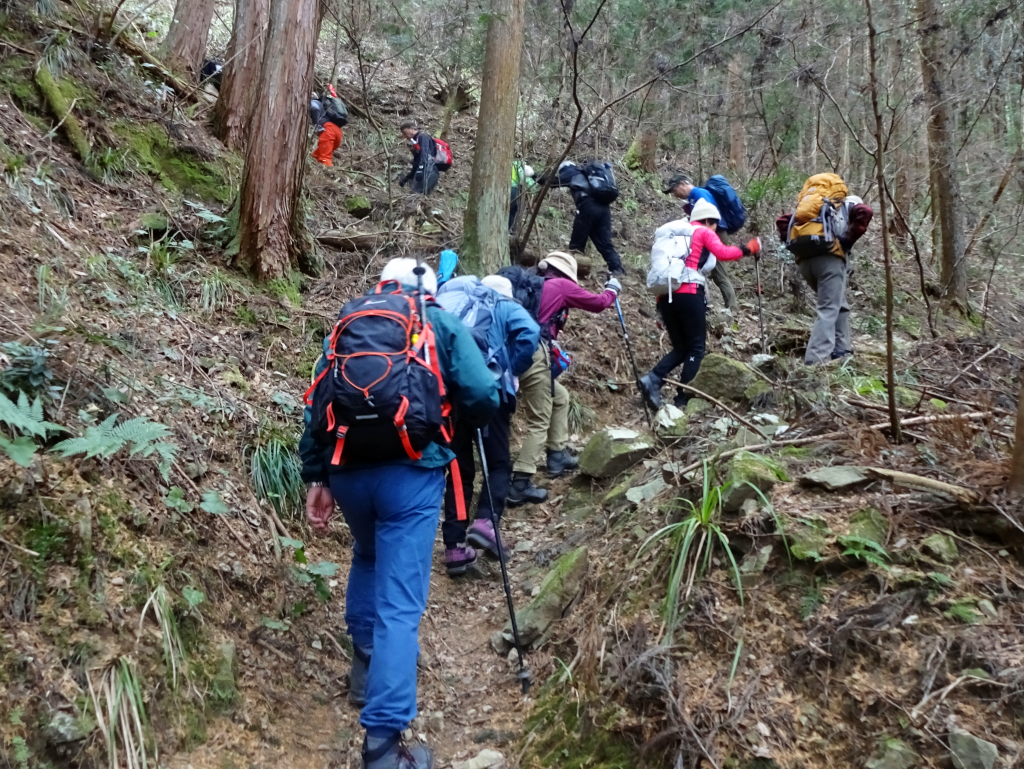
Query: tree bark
x=1016 y=484
x=946 y=205
x=185 y=45
x=737 y=131
x=241 y=72
x=271 y=227
x=485 y=245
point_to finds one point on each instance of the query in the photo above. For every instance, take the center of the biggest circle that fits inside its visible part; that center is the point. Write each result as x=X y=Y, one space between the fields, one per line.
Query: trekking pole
x=760 y=312
x=524 y=674
x=632 y=360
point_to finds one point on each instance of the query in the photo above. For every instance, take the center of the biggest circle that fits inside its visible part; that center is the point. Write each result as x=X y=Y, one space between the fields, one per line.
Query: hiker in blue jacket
x=391 y=510
x=682 y=187
x=512 y=340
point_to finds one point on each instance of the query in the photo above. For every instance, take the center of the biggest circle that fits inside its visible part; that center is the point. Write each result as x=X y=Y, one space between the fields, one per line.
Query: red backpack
x=443 y=157
x=381 y=397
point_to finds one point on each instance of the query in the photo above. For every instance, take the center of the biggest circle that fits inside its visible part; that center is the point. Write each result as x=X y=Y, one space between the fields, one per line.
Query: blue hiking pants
x=391 y=510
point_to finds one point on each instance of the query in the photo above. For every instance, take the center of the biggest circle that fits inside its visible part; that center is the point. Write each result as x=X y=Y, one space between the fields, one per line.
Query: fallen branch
x=959 y=493
x=971 y=365
x=18 y=547
x=720 y=405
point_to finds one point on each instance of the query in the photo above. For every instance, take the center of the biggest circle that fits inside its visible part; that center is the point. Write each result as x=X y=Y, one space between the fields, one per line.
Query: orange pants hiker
x=330 y=140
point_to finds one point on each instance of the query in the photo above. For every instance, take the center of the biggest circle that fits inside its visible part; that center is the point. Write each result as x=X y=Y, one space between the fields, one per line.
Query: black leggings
x=685 y=319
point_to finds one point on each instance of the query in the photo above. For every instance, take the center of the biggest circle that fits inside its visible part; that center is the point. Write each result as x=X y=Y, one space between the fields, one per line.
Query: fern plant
x=26 y=422
x=140 y=435
x=866 y=550
x=691 y=544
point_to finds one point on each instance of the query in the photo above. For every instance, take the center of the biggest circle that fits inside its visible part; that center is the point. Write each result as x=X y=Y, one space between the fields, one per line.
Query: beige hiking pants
x=547 y=415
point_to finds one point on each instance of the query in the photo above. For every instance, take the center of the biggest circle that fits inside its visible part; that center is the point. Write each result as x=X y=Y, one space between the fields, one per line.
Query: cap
x=674 y=181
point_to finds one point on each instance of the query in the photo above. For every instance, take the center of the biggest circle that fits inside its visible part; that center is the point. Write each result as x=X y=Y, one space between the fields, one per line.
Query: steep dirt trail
x=289 y=719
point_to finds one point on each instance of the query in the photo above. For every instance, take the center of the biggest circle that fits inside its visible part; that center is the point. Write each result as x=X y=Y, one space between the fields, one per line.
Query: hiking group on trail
x=420 y=378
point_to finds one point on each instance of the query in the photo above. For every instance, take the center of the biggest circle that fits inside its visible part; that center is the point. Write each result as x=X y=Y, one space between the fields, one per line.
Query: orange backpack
x=810 y=229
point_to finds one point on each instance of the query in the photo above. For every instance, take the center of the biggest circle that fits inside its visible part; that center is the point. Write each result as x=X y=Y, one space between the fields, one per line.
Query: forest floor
x=119 y=299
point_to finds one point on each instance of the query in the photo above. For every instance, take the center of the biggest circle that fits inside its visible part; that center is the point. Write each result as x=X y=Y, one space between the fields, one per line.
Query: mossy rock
x=806 y=538
x=894 y=753
x=178 y=171
x=557 y=592
x=757 y=390
x=359 y=206
x=870 y=525
x=697 y=407
x=616 y=496
x=723 y=378
x=154 y=223
x=671 y=424
x=747 y=471
x=612 y=451
x=942 y=546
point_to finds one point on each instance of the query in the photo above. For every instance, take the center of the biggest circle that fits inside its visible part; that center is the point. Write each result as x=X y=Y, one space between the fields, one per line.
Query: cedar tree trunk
x=241 y=72
x=272 y=235
x=942 y=152
x=485 y=245
x=185 y=45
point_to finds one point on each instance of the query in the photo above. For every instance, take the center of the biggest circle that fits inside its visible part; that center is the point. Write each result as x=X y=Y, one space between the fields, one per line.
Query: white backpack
x=668 y=259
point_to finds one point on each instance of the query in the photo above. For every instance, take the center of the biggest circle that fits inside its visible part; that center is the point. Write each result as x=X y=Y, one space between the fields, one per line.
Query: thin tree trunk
x=737 y=131
x=896 y=434
x=1016 y=484
x=485 y=245
x=946 y=205
x=185 y=45
x=241 y=72
x=272 y=230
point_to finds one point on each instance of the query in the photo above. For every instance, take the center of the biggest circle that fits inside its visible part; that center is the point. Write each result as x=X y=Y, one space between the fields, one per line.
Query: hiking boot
x=523 y=492
x=482 y=535
x=650 y=391
x=680 y=401
x=357 y=676
x=618 y=272
x=837 y=354
x=459 y=558
x=560 y=462
x=394 y=753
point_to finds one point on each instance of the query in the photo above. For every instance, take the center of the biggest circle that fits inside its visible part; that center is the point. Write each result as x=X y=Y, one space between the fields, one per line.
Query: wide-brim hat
x=564 y=263
x=500 y=284
x=703 y=210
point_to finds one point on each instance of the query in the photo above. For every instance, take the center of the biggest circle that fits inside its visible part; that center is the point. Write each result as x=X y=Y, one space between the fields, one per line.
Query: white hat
x=853 y=200
x=500 y=284
x=562 y=262
x=402 y=270
x=565 y=164
x=703 y=210
x=528 y=172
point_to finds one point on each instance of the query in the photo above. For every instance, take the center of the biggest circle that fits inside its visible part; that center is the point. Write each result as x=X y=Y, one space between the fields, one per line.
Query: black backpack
x=601 y=181
x=335 y=110
x=527 y=286
x=381 y=396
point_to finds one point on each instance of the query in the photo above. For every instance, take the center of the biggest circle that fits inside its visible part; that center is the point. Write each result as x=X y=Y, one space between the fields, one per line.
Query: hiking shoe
x=357 y=676
x=680 y=401
x=459 y=558
x=482 y=535
x=394 y=753
x=618 y=272
x=650 y=391
x=523 y=492
x=560 y=462
x=837 y=354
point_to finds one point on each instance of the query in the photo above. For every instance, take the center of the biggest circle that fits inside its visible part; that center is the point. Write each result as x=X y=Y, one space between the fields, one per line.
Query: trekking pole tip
x=524 y=680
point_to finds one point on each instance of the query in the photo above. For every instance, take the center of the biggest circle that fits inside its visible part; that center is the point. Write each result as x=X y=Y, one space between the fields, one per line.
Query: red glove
x=752 y=247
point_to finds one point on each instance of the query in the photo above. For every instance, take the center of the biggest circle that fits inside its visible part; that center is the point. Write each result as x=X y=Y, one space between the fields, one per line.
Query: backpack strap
x=403 y=431
x=339 y=445
x=460 y=500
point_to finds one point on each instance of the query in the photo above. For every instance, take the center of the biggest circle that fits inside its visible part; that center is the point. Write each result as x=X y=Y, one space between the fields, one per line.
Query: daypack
x=601 y=184
x=526 y=288
x=820 y=218
x=381 y=396
x=668 y=256
x=473 y=303
x=443 y=157
x=728 y=203
x=335 y=110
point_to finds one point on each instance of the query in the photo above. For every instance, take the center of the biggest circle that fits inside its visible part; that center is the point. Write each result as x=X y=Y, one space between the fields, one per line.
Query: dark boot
x=394 y=753
x=523 y=492
x=650 y=390
x=561 y=462
x=357 y=676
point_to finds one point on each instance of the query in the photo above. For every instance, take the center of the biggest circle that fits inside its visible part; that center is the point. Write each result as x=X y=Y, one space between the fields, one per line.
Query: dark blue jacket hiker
x=376 y=441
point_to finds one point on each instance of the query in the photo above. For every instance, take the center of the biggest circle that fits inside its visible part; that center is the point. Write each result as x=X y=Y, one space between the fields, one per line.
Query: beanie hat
x=703 y=210
x=561 y=262
x=499 y=284
x=402 y=270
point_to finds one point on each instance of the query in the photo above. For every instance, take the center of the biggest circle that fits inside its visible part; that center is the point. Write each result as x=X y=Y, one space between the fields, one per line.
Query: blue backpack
x=728 y=203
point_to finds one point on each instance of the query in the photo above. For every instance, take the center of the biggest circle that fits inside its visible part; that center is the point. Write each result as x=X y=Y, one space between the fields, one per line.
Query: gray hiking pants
x=827 y=275
x=724 y=283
